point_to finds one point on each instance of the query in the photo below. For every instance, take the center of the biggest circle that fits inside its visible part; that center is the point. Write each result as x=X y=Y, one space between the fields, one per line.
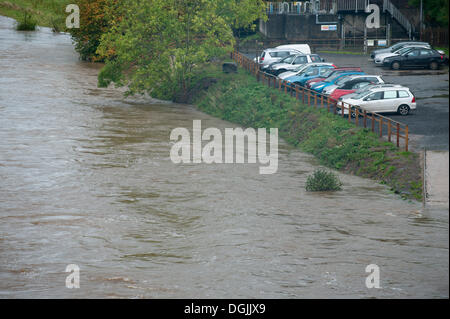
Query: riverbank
x=46 y=13
x=239 y=98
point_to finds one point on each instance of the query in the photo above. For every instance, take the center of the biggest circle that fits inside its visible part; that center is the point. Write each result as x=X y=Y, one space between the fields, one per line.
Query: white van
x=303 y=48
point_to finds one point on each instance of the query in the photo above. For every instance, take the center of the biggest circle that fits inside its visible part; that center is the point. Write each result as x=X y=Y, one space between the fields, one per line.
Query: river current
x=86 y=179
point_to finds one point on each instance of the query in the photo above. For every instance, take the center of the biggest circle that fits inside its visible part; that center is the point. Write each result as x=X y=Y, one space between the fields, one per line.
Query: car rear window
x=283 y=54
x=403 y=94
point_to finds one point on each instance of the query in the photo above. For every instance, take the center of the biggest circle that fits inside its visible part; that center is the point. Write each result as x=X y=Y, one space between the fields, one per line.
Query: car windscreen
x=343 y=80
x=397 y=46
x=404 y=50
x=360 y=95
x=333 y=77
x=302 y=68
x=305 y=69
x=328 y=73
x=288 y=59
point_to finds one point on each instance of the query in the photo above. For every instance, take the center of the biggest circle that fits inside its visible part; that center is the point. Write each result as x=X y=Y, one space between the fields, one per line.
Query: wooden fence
x=384 y=127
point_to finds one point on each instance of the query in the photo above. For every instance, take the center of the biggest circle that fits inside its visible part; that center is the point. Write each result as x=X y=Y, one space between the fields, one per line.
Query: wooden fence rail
x=395 y=132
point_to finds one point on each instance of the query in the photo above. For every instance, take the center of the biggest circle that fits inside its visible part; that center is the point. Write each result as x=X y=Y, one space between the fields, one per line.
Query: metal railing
x=384 y=127
x=397 y=15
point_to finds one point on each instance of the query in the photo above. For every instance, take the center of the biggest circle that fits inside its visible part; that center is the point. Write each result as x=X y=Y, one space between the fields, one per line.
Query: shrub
x=322 y=180
x=27 y=23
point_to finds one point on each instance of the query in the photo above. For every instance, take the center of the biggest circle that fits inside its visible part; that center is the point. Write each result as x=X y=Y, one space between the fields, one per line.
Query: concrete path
x=437 y=178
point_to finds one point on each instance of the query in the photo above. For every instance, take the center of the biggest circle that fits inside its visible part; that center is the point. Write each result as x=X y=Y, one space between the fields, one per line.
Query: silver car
x=292 y=62
x=269 y=56
x=382 y=100
x=301 y=68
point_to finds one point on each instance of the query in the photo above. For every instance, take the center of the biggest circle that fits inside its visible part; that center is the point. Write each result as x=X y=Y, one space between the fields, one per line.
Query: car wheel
x=395 y=66
x=403 y=110
x=434 y=65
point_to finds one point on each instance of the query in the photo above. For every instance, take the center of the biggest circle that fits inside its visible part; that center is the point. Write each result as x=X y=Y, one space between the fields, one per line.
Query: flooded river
x=86 y=179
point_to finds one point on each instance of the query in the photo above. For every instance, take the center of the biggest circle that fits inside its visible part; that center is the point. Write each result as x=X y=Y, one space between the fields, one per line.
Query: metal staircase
x=397 y=15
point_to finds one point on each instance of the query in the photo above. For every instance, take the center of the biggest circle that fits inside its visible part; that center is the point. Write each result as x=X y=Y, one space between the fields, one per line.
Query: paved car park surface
x=429 y=124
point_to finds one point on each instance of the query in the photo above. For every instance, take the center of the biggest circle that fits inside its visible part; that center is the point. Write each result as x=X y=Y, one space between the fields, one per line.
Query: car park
x=269 y=56
x=396 y=47
x=309 y=73
x=319 y=86
x=423 y=58
x=352 y=83
x=300 y=69
x=379 y=58
x=291 y=63
x=382 y=100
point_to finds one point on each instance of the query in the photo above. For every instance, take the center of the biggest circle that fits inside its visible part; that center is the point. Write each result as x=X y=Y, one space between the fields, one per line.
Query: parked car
x=269 y=56
x=309 y=73
x=301 y=68
x=383 y=100
x=329 y=73
x=291 y=63
x=367 y=88
x=379 y=58
x=395 y=47
x=303 y=48
x=352 y=83
x=319 y=86
x=416 y=58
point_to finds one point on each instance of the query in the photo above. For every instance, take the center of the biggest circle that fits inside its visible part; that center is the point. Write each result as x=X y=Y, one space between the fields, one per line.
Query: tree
x=435 y=12
x=158 y=44
x=94 y=22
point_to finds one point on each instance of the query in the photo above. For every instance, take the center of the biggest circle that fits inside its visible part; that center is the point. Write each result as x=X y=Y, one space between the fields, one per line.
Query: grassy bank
x=341 y=52
x=47 y=13
x=239 y=98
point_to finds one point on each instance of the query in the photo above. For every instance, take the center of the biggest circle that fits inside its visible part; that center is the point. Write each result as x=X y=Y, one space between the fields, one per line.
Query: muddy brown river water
x=86 y=179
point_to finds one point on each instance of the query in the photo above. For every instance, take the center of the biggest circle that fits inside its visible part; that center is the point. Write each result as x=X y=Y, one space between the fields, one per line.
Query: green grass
x=239 y=98
x=26 y=23
x=47 y=13
x=340 y=52
x=445 y=49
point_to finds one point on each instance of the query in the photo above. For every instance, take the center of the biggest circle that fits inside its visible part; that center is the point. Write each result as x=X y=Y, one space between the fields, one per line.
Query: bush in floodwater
x=322 y=180
x=27 y=23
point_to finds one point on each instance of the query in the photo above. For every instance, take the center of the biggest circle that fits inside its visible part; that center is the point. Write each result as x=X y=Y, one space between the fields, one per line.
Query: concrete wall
x=298 y=27
x=295 y=27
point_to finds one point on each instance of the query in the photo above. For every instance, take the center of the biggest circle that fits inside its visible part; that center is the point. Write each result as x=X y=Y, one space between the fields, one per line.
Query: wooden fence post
x=381 y=127
x=406 y=137
x=373 y=122
x=389 y=131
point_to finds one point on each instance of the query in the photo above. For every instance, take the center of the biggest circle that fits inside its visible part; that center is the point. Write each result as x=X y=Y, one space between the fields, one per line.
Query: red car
x=309 y=83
